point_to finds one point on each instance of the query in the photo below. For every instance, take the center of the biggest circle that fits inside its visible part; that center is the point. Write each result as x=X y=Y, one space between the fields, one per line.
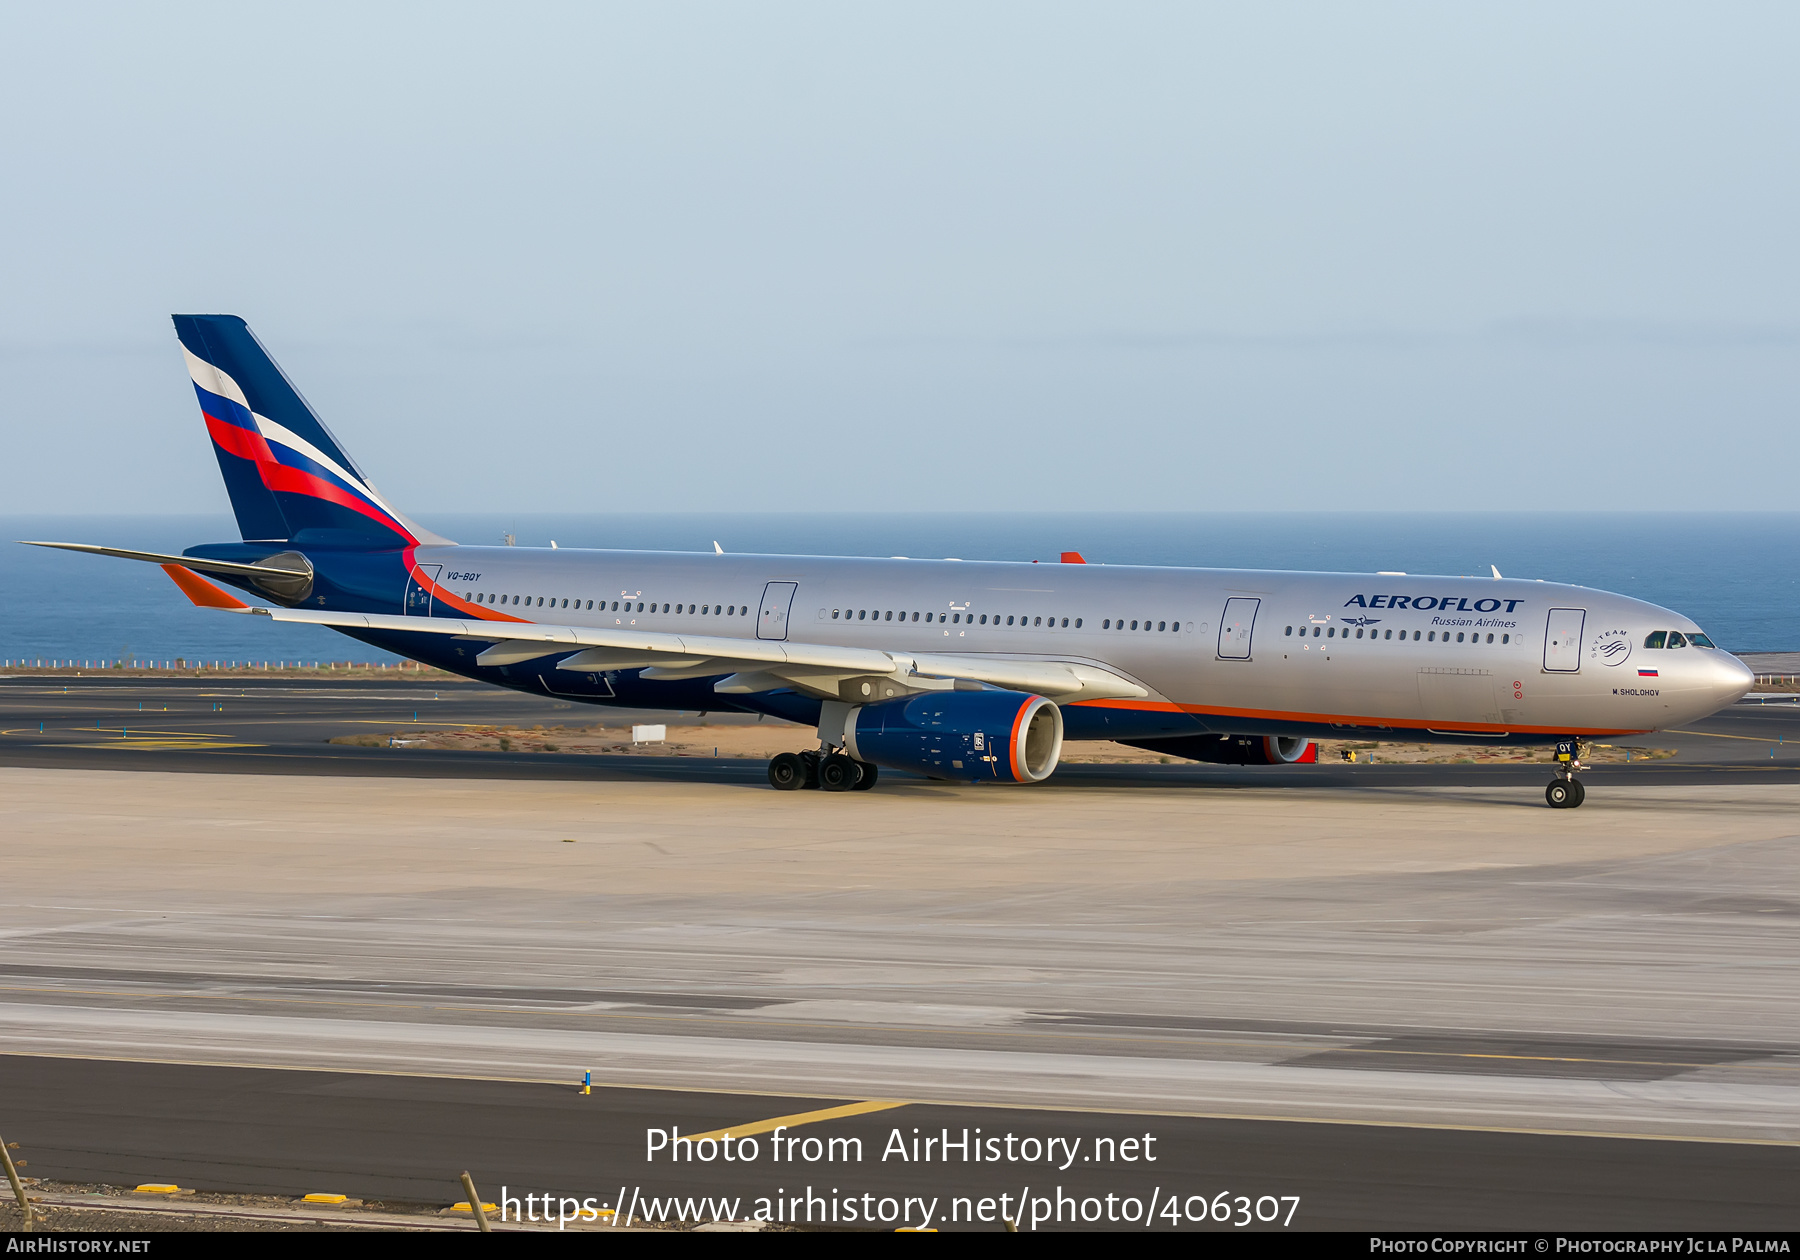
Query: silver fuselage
x=1246 y=651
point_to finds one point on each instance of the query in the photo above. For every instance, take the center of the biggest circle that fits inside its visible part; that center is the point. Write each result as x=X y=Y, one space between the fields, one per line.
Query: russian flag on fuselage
x=282 y=467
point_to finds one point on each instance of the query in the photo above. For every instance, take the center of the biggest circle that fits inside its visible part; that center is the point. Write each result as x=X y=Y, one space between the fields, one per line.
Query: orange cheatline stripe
x=793 y=1121
x=1012 y=745
x=198 y=589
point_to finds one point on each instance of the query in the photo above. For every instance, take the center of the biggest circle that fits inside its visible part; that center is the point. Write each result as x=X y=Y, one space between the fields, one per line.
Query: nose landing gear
x=1565 y=790
x=828 y=770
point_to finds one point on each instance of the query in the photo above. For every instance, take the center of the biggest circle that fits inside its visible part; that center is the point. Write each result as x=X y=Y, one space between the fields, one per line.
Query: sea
x=1736 y=573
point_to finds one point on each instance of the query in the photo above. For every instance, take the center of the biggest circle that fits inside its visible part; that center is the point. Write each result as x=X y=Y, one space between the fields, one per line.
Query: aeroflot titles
x=1448 y=603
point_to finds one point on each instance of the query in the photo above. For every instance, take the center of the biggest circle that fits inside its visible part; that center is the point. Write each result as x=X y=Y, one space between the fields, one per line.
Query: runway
x=406 y=1138
x=1415 y=978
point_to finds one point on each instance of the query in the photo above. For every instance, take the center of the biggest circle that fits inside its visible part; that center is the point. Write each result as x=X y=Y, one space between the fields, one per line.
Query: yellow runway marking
x=1754 y=739
x=794 y=1121
x=134 y=744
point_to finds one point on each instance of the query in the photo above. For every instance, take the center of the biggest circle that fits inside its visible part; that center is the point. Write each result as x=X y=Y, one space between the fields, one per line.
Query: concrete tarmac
x=1421 y=947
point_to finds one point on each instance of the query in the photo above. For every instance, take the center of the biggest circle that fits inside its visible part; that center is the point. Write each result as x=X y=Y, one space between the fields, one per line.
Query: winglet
x=203 y=593
x=1072 y=557
x=1496 y=569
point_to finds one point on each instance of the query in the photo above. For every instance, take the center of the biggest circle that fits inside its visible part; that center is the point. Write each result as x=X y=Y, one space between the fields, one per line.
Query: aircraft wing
x=754 y=665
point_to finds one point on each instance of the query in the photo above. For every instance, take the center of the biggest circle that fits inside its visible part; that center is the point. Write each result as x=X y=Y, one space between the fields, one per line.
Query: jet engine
x=1006 y=736
x=1235 y=750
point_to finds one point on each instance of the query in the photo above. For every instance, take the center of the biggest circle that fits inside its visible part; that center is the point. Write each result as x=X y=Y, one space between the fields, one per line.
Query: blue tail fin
x=287 y=476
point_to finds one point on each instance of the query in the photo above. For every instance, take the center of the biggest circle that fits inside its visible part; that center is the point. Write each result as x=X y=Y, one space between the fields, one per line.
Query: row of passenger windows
x=541 y=601
x=955 y=619
x=1430 y=636
x=1675 y=639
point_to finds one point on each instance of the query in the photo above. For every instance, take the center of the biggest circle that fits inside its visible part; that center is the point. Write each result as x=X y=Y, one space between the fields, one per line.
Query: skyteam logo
x=1611 y=647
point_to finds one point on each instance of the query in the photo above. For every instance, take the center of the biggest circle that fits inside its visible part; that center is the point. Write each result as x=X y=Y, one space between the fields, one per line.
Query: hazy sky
x=946 y=257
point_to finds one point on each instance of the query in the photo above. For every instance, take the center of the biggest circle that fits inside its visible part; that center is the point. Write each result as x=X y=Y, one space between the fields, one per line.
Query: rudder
x=286 y=474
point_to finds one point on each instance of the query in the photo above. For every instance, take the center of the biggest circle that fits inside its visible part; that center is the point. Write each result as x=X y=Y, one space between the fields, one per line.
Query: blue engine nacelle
x=970 y=735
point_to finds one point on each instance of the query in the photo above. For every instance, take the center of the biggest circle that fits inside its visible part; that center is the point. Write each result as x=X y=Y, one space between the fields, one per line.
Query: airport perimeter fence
x=184 y=665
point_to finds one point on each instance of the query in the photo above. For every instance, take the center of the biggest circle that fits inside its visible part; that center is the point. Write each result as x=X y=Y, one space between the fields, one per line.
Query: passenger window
x=1290 y=632
x=1078 y=623
x=1359 y=632
x=1505 y=638
x=1162 y=626
x=1389 y=635
x=956 y=619
x=834 y=614
x=1415 y=636
x=1676 y=639
x=1656 y=640
x=1331 y=632
x=1065 y=621
x=1490 y=638
x=1432 y=637
x=861 y=614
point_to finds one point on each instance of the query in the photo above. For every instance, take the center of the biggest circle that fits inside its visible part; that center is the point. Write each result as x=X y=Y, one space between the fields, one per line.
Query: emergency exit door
x=1236 y=627
x=772 y=617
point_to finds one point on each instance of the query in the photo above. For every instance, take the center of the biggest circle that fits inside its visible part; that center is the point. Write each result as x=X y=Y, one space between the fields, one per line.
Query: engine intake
x=1003 y=736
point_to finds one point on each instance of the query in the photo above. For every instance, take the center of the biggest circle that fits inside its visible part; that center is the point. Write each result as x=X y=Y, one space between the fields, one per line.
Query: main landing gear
x=827 y=770
x=1565 y=790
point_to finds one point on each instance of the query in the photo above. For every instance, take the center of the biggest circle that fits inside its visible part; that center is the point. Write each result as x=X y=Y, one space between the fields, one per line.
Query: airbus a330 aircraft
x=970 y=671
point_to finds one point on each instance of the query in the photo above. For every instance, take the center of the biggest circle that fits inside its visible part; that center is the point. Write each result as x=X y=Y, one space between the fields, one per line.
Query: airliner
x=968 y=671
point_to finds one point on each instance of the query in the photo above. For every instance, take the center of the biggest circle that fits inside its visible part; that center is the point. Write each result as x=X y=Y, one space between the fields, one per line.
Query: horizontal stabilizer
x=225 y=568
x=202 y=592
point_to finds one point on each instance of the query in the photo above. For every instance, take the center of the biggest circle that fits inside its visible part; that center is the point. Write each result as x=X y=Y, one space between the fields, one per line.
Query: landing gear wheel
x=837 y=773
x=1561 y=794
x=1580 y=793
x=809 y=761
x=869 y=775
x=787 y=773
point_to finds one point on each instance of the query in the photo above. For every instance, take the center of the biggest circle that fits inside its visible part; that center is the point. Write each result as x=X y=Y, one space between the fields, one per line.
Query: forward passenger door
x=1562 y=640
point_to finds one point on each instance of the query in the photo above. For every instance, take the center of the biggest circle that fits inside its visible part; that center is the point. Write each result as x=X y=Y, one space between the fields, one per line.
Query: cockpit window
x=1656 y=639
x=1700 y=640
x=1677 y=639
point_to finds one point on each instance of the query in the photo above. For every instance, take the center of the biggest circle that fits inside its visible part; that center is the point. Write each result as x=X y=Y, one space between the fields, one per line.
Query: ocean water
x=1737 y=574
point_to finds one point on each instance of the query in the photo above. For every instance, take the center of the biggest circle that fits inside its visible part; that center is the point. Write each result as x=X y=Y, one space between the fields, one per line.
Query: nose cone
x=1727 y=679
